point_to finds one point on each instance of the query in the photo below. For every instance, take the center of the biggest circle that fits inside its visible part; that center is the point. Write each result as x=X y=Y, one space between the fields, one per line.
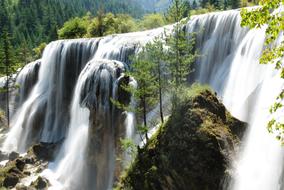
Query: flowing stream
x=66 y=96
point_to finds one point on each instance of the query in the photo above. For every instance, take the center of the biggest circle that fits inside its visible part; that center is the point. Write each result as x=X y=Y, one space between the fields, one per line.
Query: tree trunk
x=160 y=92
x=145 y=117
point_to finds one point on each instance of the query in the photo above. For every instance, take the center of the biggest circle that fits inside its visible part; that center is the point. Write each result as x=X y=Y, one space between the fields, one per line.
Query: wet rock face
x=45 y=151
x=191 y=151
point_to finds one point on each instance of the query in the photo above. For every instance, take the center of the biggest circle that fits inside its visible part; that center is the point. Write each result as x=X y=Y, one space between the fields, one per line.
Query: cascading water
x=42 y=117
x=229 y=63
x=25 y=81
x=90 y=146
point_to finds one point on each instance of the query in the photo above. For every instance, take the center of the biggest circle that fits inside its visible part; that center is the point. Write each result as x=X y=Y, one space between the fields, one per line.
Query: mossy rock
x=191 y=151
x=15 y=170
x=11 y=173
x=40 y=183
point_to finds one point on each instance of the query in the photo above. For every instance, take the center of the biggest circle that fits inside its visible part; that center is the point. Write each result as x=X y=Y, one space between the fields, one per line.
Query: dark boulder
x=40 y=183
x=20 y=164
x=10 y=181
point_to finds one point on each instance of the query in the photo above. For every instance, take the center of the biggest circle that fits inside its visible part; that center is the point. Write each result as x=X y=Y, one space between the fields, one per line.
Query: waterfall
x=42 y=117
x=230 y=64
x=89 y=147
x=24 y=83
x=70 y=99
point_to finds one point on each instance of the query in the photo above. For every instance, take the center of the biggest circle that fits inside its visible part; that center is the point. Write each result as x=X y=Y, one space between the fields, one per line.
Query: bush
x=74 y=28
x=152 y=21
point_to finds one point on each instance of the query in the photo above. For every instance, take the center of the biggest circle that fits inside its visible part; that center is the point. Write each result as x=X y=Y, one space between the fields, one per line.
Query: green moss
x=196 y=89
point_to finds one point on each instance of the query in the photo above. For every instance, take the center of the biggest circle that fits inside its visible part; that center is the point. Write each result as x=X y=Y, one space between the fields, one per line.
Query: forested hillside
x=32 y=23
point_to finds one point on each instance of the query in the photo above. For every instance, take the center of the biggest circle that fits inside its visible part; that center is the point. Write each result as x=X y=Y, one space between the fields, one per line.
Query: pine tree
x=180 y=52
x=204 y=3
x=194 y=5
x=225 y=5
x=180 y=47
x=216 y=4
x=142 y=71
x=6 y=58
x=235 y=4
x=155 y=52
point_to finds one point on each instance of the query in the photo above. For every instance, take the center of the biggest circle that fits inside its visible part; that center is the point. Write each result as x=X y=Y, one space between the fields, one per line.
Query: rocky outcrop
x=20 y=167
x=191 y=150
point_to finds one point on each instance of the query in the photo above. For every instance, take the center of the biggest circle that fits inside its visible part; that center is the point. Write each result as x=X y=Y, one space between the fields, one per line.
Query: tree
x=225 y=4
x=152 y=21
x=235 y=4
x=74 y=28
x=178 y=10
x=125 y=23
x=6 y=66
x=194 y=5
x=204 y=3
x=39 y=50
x=6 y=53
x=106 y=24
x=142 y=72
x=180 y=48
x=274 y=52
x=216 y=4
x=24 y=54
x=4 y=20
x=156 y=54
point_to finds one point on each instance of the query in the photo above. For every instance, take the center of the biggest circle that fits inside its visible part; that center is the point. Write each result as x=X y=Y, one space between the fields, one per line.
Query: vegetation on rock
x=191 y=150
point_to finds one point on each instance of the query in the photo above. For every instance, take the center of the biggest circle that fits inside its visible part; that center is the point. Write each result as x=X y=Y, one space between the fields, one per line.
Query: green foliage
x=142 y=70
x=108 y=23
x=101 y=25
x=172 y=54
x=105 y=24
x=150 y=21
x=74 y=28
x=180 y=47
x=157 y=54
x=177 y=11
x=268 y=14
x=7 y=65
x=32 y=22
x=129 y=147
x=193 y=91
x=180 y=55
x=226 y=4
x=39 y=50
x=202 y=11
